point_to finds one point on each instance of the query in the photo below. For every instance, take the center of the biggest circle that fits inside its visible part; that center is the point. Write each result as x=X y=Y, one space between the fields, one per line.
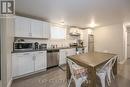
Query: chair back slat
x=71 y=64
x=109 y=64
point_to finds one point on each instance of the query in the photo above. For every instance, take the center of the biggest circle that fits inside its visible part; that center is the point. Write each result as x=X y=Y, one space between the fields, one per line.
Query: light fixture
x=92 y=24
x=62 y=23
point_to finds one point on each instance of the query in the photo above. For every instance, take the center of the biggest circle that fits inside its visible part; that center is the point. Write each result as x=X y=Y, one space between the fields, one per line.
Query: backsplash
x=58 y=42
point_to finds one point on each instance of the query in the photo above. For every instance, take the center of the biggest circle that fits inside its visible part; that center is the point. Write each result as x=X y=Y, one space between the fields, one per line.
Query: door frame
x=125 y=46
x=128 y=31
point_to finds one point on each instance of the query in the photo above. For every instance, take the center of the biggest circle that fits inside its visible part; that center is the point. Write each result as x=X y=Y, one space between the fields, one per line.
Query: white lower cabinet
x=62 y=58
x=71 y=51
x=64 y=53
x=28 y=62
x=40 y=60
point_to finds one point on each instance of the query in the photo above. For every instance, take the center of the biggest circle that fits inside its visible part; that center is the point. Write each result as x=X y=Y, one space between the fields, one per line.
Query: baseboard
x=28 y=74
x=122 y=62
x=10 y=83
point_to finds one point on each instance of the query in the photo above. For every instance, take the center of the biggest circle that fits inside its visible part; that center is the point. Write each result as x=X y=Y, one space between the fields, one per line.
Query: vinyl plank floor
x=55 y=77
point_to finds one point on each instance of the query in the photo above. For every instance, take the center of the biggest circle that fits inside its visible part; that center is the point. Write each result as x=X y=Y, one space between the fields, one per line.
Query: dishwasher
x=52 y=58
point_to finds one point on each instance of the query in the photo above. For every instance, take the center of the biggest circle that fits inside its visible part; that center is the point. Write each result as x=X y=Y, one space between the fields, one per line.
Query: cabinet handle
x=30 y=34
x=26 y=53
x=34 y=58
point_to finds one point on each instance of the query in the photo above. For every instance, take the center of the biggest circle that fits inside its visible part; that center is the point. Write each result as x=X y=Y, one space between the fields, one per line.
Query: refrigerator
x=90 y=43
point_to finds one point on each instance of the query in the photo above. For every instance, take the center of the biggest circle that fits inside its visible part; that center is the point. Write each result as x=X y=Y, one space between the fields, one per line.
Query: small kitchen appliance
x=36 y=46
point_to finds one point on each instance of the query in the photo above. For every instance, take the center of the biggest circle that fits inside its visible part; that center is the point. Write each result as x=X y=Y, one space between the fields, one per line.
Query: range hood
x=74 y=34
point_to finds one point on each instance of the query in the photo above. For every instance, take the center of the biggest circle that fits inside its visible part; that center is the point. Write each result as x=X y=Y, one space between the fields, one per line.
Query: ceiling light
x=92 y=24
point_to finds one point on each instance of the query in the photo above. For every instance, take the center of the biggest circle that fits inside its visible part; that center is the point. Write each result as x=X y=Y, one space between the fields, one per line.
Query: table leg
x=68 y=74
x=92 y=77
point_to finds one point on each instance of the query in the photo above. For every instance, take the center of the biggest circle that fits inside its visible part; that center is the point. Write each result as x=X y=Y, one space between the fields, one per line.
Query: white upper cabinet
x=36 y=29
x=30 y=28
x=22 y=27
x=46 y=30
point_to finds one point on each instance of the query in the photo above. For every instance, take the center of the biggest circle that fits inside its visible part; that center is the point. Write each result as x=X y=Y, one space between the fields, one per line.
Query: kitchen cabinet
x=22 y=27
x=71 y=51
x=64 y=53
x=22 y=63
x=15 y=65
x=36 y=29
x=62 y=58
x=31 y=28
x=28 y=62
x=40 y=60
x=46 y=30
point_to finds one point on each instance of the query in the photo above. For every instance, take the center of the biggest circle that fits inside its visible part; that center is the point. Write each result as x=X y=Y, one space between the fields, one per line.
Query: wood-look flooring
x=57 y=78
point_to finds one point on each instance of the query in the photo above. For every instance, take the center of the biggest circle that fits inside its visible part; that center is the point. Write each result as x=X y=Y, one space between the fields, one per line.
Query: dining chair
x=78 y=73
x=105 y=71
x=110 y=70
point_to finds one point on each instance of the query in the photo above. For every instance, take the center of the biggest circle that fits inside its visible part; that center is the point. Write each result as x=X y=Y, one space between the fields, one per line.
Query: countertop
x=59 y=48
x=48 y=49
x=21 y=51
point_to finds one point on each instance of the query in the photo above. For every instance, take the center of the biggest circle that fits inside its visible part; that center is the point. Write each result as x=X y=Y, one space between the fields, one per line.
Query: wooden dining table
x=92 y=61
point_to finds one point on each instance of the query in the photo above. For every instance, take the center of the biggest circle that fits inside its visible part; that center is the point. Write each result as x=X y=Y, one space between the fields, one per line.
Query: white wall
x=110 y=39
x=7 y=27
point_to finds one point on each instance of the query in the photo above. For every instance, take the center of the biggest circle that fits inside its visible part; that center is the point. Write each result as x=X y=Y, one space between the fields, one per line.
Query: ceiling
x=77 y=12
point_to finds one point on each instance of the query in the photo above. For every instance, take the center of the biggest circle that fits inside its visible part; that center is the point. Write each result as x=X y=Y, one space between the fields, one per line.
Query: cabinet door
x=15 y=65
x=71 y=51
x=26 y=63
x=44 y=59
x=46 y=30
x=22 y=27
x=36 y=29
x=40 y=60
x=22 y=63
x=62 y=59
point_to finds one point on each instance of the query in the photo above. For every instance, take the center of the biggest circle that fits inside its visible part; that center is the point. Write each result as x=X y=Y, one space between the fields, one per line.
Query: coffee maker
x=36 y=46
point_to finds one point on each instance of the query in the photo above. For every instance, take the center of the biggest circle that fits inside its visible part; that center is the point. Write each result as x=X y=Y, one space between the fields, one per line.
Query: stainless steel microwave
x=19 y=46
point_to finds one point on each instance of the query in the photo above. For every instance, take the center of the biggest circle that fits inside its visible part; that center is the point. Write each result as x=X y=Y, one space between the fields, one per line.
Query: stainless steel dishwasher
x=52 y=58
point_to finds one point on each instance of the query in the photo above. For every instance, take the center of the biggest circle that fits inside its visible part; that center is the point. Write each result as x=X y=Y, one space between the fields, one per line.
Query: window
x=58 y=32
